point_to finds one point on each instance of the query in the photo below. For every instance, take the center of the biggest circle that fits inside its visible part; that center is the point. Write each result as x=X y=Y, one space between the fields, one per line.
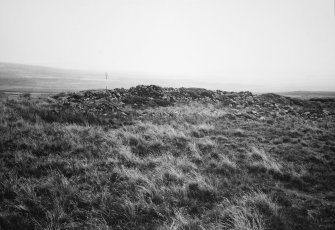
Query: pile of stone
x=152 y=95
x=120 y=103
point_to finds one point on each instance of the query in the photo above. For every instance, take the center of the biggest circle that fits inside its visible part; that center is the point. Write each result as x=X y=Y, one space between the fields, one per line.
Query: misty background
x=260 y=45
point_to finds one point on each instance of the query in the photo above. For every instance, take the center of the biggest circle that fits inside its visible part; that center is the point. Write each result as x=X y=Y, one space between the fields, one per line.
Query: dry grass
x=182 y=167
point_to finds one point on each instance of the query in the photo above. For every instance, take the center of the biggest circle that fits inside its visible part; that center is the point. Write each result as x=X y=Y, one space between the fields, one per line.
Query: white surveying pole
x=106 y=81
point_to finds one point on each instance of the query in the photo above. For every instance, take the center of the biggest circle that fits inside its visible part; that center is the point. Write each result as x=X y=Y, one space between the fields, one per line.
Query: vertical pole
x=106 y=82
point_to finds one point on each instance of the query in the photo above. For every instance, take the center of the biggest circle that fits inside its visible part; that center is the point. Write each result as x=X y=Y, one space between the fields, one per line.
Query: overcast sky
x=272 y=44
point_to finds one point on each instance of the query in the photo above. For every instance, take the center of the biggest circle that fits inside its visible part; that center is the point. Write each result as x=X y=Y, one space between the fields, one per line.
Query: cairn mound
x=122 y=104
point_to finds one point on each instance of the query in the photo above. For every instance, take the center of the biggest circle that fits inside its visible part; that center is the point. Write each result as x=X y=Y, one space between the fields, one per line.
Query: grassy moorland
x=154 y=158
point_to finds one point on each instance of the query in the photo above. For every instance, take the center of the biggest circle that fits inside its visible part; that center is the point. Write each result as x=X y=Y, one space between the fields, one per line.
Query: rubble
x=121 y=104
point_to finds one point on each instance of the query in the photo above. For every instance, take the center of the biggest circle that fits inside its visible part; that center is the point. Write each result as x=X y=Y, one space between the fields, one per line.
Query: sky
x=278 y=45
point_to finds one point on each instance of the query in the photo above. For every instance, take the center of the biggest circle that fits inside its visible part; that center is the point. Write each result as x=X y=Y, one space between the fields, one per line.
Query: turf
x=184 y=165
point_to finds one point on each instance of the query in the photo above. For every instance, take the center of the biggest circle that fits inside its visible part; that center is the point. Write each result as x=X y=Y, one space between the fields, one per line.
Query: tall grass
x=176 y=167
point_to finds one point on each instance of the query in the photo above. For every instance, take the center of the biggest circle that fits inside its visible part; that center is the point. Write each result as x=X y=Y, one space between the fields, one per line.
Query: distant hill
x=28 y=78
x=18 y=78
x=308 y=94
x=22 y=78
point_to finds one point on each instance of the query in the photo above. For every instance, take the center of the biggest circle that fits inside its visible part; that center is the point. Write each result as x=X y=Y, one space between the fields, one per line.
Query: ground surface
x=154 y=158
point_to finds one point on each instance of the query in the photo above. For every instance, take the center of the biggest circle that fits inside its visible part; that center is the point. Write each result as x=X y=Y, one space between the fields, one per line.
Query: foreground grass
x=189 y=166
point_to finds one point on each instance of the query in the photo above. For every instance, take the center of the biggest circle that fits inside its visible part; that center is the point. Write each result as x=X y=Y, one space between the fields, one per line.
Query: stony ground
x=163 y=158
